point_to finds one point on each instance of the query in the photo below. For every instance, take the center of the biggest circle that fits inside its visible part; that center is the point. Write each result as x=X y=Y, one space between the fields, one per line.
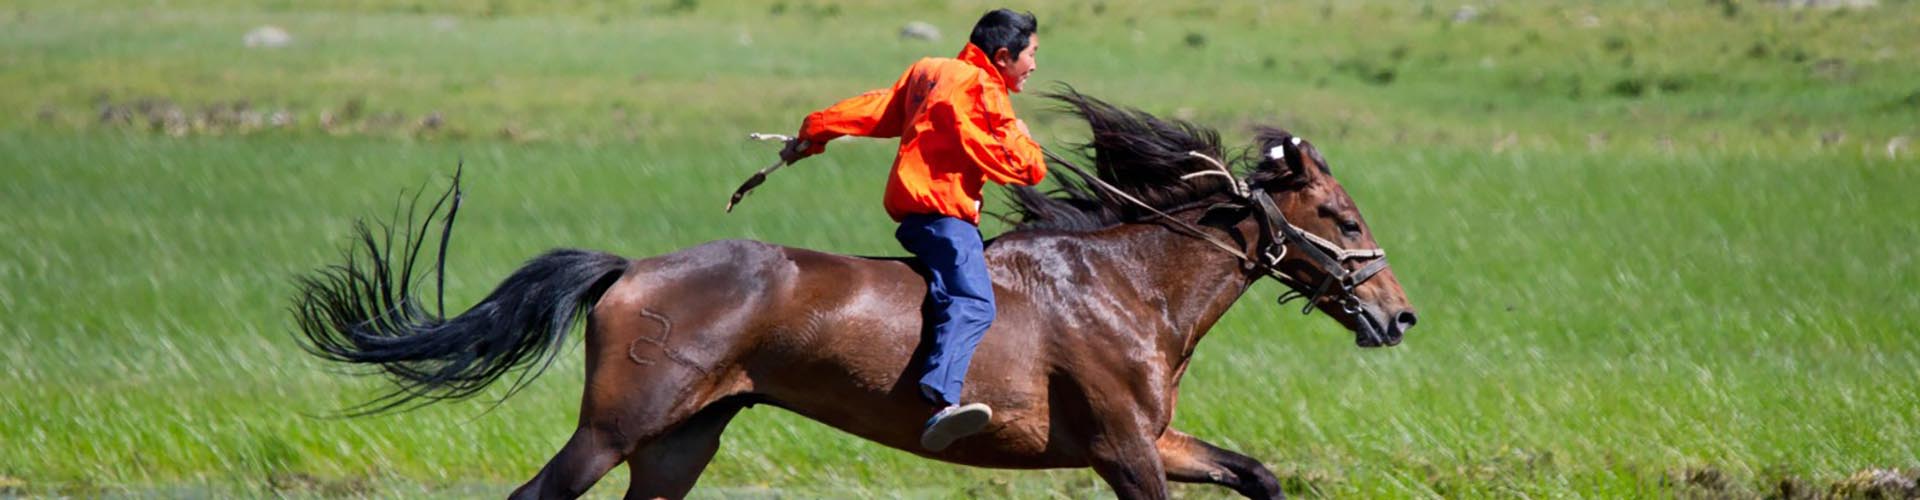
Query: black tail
x=365 y=312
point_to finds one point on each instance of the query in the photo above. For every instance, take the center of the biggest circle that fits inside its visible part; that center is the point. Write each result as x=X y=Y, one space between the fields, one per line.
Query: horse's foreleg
x=1129 y=464
x=1189 y=460
x=668 y=466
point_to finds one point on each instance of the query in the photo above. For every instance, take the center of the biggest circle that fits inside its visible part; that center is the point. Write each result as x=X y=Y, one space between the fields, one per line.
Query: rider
x=957 y=130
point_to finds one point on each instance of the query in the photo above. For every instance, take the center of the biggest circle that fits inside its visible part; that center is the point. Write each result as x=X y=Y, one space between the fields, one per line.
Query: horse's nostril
x=1404 y=320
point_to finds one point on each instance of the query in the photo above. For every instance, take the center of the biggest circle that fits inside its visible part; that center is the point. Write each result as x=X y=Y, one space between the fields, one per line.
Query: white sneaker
x=954 y=422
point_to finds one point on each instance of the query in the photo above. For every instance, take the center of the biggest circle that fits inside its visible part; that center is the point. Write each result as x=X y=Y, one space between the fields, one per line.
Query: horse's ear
x=1289 y=156
x=1285 y=155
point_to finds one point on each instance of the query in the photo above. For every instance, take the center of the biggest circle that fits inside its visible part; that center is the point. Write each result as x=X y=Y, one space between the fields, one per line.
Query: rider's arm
x=876 y=113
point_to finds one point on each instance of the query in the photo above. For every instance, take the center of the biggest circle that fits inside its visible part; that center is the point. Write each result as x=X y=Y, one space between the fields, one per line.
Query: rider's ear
x=1002 y=57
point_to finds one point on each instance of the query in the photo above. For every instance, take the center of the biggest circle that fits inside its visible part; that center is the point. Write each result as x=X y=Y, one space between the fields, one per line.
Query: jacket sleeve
x=876 y=113
x=990 y=137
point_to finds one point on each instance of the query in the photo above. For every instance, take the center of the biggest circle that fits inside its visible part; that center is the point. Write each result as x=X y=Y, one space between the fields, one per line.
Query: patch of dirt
x=1708 y=482
x=1878 y=483
x=301 y=482
x=1705 y=482
x=242 y=117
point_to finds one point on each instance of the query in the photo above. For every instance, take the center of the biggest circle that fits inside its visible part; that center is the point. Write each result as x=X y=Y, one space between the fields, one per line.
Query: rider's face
x=1014 y=68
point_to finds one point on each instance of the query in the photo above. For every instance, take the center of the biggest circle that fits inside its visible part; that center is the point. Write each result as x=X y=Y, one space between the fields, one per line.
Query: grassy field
x=1658 y=248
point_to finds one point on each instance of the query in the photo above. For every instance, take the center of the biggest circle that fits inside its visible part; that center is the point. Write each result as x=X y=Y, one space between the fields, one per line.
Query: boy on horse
x=956 y=127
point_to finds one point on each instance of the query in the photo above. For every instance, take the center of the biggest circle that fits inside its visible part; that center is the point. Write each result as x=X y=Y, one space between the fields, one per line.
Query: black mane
x=1134 y=151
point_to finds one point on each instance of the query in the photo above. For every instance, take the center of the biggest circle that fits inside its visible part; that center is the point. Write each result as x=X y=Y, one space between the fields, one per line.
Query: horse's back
x=738 y=301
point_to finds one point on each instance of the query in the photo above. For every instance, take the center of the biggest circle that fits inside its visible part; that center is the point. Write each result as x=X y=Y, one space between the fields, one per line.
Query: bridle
x=1329 y=257
x=1276 y=235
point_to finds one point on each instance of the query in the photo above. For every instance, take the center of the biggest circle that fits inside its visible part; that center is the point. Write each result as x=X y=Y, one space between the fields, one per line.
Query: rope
x=1239 y=187
x=1190 y=228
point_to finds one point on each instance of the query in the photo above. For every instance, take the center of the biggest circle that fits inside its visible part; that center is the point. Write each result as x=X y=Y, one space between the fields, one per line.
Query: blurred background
x=1658 y=247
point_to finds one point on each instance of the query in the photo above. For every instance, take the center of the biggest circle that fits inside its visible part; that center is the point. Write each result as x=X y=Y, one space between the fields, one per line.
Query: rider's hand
x=1022 y=125
x=794 y=151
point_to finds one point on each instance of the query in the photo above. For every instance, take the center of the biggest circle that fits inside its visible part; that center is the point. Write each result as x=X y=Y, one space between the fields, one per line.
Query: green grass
x=1645 y=252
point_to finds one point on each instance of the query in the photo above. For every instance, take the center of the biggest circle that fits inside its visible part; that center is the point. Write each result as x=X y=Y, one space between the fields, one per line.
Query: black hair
x=1003 y=29
x=1146 y=157
x=1135 y=152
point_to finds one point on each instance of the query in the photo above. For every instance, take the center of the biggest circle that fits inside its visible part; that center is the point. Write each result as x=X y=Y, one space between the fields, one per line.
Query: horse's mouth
x=1372 y=332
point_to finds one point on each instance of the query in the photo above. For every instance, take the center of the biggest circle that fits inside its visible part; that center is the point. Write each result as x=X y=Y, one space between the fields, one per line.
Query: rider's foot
x=954 y=422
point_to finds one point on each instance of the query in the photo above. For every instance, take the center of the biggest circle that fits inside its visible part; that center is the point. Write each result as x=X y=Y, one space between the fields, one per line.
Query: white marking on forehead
x=1277 y=153
x=1296 y=142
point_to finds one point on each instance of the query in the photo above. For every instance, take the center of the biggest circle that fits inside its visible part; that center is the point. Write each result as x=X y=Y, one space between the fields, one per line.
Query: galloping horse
x=1105 y=286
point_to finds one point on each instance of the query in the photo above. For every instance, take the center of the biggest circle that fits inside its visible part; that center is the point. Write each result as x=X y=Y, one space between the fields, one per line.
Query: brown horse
x=1104 y=290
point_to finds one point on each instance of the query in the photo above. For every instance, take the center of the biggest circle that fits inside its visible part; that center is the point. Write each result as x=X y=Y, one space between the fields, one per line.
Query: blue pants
x=961 y=306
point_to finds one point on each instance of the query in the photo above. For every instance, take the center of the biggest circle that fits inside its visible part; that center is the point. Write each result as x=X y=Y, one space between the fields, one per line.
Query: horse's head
x=1318 y=244
x=1310 y=235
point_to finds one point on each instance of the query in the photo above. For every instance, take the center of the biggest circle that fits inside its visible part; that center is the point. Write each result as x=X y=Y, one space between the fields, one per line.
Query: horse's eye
x=1350 y=227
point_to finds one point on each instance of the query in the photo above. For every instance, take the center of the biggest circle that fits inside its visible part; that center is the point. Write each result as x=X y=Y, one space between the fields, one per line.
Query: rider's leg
x=962 y=298
x=962 y=309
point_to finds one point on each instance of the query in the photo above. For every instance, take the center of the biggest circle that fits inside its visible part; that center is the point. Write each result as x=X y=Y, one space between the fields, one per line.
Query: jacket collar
x=979 y=58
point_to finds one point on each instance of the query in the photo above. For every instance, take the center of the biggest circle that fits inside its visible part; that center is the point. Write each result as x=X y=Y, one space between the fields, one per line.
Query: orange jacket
x=956 y=130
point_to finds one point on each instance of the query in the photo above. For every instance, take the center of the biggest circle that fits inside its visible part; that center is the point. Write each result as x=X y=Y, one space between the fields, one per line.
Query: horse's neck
x=1198 y=281
x=1208 y=281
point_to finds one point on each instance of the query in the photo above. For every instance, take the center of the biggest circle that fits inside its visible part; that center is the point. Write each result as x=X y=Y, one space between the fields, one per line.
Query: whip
x=761 y=176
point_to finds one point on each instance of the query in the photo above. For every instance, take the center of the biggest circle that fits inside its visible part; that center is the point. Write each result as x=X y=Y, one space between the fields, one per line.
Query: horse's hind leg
x=587 y=456
x=631 y=398
x=617 y=417
x=667 y=467
x=1190 y=460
